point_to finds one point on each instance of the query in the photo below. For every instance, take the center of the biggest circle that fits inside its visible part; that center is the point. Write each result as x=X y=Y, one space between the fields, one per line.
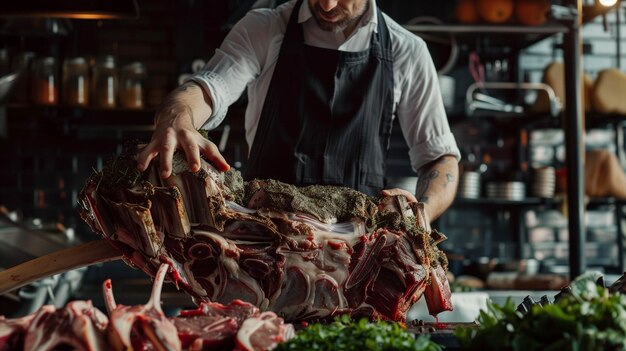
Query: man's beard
x=345 y=20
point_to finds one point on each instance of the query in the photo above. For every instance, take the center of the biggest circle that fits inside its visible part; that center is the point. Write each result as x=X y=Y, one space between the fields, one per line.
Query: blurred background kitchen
x=74 y=89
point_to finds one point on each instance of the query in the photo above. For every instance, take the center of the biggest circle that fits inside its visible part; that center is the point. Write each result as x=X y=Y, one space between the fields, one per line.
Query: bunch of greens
x=346 y=335
x=587 y=319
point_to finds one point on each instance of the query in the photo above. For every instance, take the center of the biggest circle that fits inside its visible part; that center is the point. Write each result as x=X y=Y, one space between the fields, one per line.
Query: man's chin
x=334 y=27
x=330 y=27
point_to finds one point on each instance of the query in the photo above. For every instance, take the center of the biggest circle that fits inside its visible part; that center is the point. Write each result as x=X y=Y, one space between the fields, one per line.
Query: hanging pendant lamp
x=79 y=9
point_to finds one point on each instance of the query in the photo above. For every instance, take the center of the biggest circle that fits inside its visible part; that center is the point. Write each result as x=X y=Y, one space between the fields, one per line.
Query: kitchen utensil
x=476 y=97
x=57 y=262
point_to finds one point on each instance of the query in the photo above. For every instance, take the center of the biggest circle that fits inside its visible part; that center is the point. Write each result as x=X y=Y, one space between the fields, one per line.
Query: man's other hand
x=397 y=191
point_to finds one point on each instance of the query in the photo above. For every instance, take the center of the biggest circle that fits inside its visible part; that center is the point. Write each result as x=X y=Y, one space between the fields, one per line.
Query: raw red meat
x=12 y=332
x=263 y=332
x=215 y=326
x=142 y=327
x=305 y=253
x=78 y=326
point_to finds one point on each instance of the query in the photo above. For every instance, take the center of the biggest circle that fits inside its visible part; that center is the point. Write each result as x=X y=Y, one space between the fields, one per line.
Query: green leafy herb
x=587 y=319
x=346 y=335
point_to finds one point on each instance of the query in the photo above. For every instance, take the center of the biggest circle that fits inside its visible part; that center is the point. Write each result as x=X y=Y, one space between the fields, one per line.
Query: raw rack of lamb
x=305 y=253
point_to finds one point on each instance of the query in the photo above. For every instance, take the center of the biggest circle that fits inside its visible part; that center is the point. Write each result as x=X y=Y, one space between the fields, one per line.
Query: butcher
x=325 y=80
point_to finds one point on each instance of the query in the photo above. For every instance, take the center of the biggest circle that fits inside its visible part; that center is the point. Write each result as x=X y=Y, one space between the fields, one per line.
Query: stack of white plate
x=544 y=182
x=506 y=190
x=469 y=187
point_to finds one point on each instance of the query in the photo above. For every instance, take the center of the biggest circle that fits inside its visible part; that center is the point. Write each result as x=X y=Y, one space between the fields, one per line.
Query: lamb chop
x=305 y=253
x=214 y=326
x=141 y=327
x=263 y=332
x=78 y=326
x=12 y=332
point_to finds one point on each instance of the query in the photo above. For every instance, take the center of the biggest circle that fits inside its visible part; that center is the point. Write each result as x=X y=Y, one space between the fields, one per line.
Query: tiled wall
x=600 y=48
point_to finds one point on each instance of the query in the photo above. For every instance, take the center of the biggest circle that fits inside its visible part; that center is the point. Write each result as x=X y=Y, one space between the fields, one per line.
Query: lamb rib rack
x=305 y=253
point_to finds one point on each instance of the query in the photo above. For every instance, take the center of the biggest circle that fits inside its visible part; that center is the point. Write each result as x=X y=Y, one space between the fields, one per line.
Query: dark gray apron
x=327 y=116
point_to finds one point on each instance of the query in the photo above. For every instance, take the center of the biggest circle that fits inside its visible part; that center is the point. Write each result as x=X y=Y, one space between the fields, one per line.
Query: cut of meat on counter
x=239 y=325
x=12 y=332
x=306 y=253
x=79 y=326
x=134 y=327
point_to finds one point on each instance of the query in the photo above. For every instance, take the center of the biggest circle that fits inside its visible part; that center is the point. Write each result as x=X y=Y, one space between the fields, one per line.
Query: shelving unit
x=516 y=38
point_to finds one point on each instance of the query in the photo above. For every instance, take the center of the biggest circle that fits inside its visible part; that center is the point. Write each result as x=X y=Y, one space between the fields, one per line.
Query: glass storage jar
x=132 y=85
x=76 y=82
x=22 y=64
x=44 y=82
x=104 y=92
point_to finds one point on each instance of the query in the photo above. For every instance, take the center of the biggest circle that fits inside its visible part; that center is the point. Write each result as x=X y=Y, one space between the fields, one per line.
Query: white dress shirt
x=248 y=56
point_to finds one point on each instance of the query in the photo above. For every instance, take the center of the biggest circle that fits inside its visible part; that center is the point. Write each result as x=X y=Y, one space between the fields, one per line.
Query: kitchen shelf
x=528 y=201
x=602 y=201
x=597 y=120
x=83 y=115
x=528 y=118
x=514 y=36
x=509 y=40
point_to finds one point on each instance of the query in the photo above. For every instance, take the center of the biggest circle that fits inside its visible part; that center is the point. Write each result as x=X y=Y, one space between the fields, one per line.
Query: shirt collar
x=369 y=18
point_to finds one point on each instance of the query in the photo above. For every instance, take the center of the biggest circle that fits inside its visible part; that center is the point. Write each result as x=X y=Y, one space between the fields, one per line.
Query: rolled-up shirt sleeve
x=235 y=64
x=421 y=112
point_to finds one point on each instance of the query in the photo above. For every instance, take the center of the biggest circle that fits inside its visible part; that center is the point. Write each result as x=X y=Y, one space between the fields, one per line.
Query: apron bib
x=327 y=115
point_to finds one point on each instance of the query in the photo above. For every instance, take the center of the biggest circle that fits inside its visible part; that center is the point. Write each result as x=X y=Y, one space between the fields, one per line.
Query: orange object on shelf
x=105 y=83
x=44 y=82
x=132 y=86
x=466 y=12
x=495 y=11
x=76 y=82
x=532 y=12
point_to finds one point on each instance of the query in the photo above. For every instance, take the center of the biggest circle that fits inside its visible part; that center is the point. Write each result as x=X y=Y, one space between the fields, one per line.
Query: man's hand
x=182 y=112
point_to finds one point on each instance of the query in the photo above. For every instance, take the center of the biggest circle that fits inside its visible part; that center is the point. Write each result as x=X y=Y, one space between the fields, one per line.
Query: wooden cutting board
x=57 y=262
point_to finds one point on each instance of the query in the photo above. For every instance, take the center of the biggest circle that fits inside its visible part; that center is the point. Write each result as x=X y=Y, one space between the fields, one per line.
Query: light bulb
x=608 y=3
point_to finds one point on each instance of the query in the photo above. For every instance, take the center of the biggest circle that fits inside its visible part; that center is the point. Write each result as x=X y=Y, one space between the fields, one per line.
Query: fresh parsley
x=346 y=335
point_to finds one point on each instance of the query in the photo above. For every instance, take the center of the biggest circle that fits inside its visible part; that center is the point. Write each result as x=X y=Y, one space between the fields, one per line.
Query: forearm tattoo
x=449 y=179
x=423 y=183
